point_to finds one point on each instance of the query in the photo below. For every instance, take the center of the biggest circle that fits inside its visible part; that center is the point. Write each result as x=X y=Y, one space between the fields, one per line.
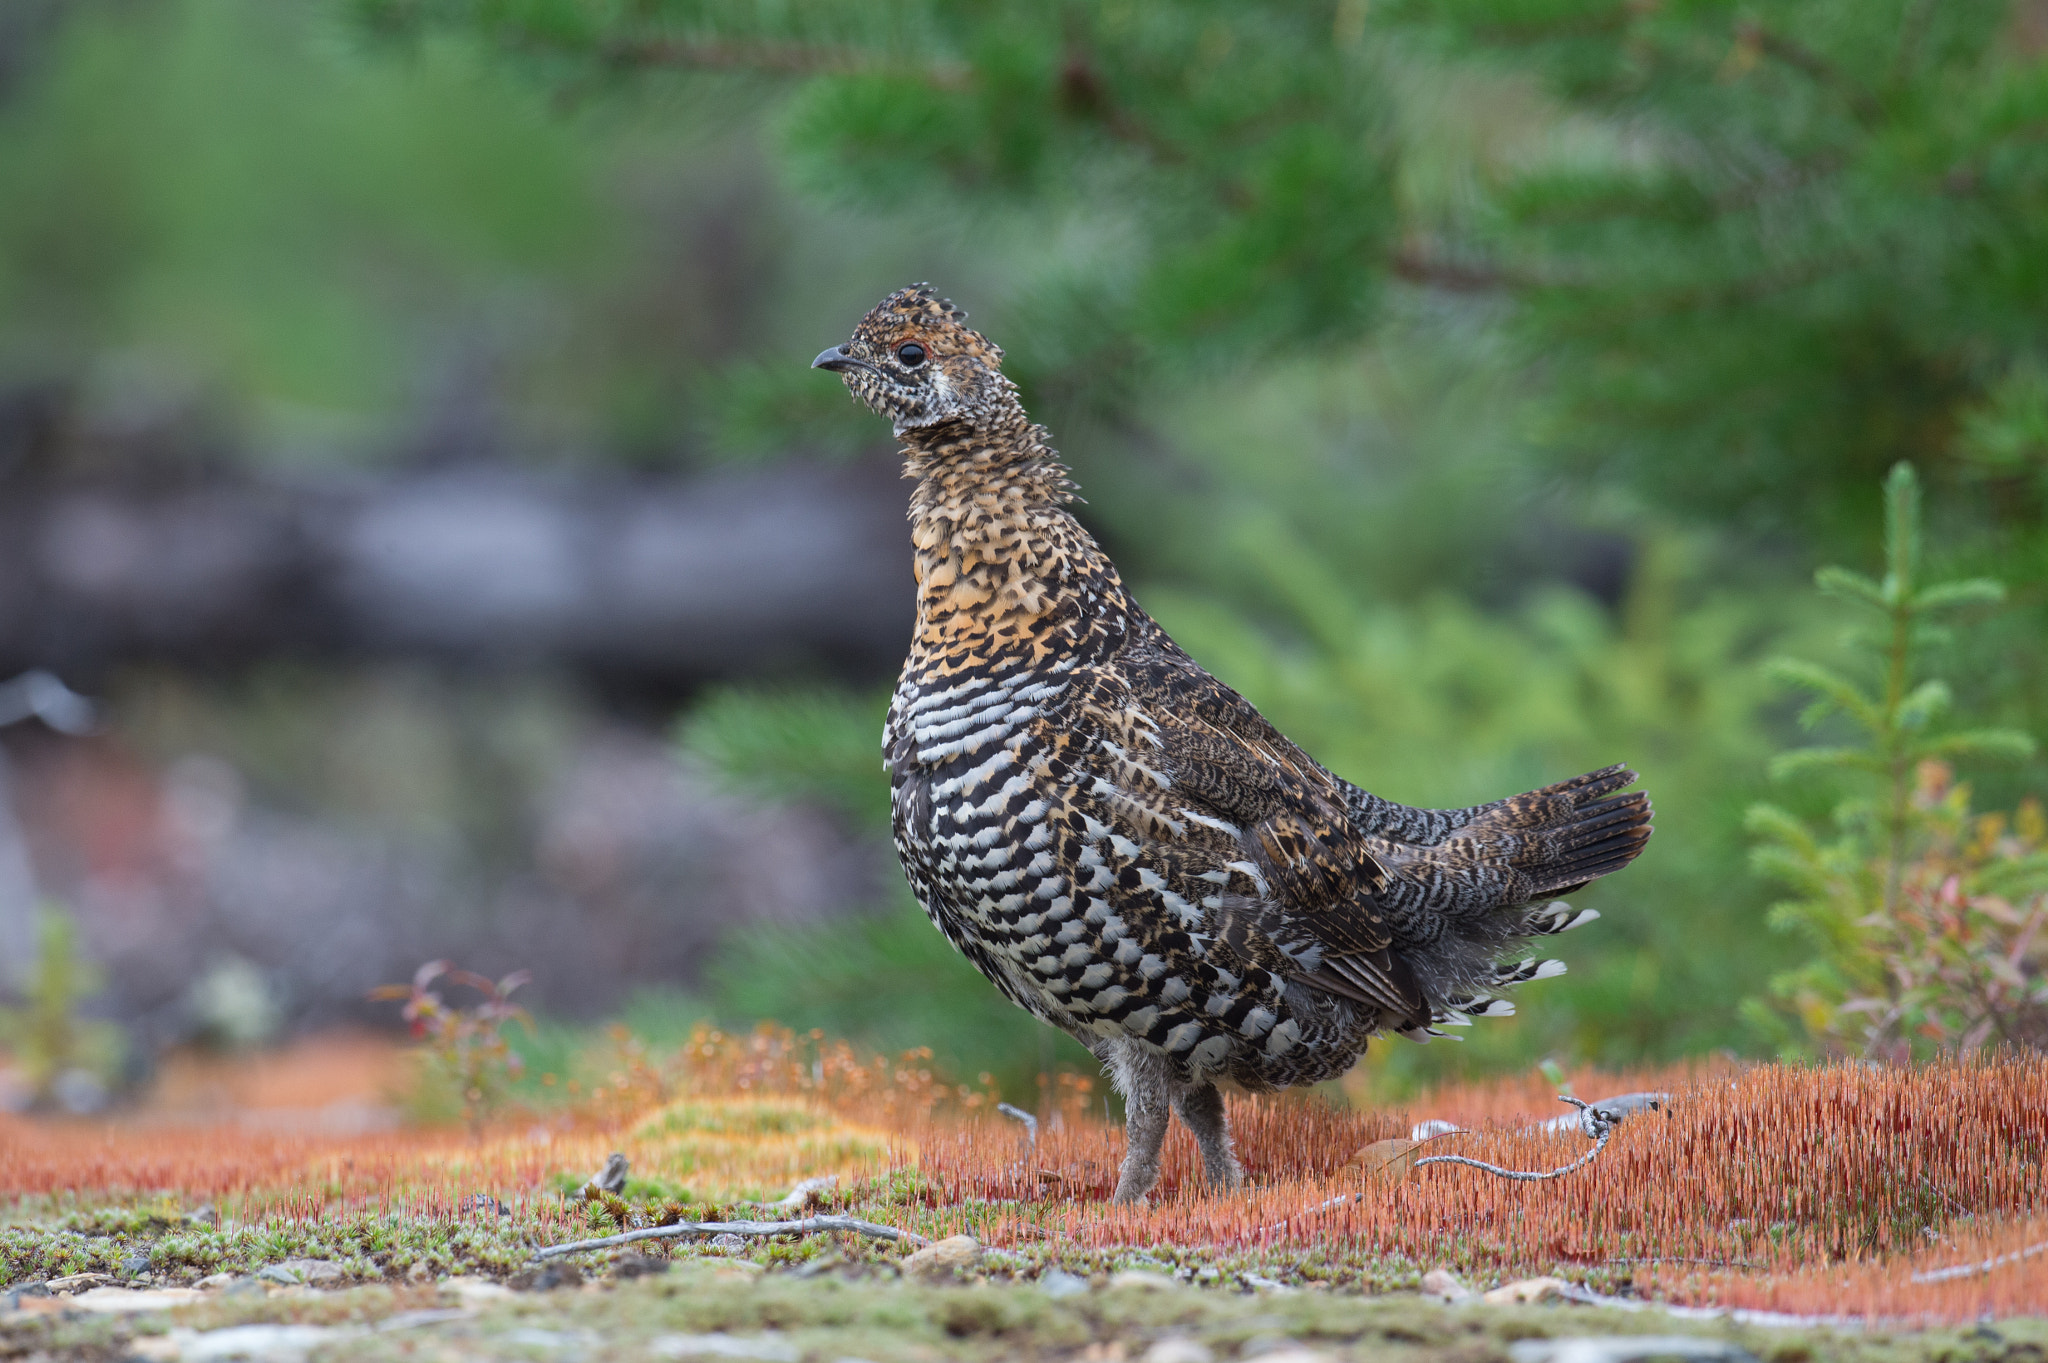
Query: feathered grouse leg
x=1121 y=843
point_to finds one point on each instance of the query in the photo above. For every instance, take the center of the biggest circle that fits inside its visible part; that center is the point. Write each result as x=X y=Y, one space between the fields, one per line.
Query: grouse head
x=915 y=360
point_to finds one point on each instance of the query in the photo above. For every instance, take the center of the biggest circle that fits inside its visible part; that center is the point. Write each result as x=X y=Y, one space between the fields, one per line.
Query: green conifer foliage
x=1922 y=915
x=1824 y=246
x=1811 y=241
x=1243 y=148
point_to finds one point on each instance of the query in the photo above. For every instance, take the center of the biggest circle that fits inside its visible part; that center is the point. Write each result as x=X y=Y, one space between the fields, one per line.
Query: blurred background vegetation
x=1474 y=384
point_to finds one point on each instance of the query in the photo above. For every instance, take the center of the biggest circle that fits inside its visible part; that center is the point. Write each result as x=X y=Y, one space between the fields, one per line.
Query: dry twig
x=810 y=1225
x=1019 y=1114
x=1597 y=1122
x=1942 y=1275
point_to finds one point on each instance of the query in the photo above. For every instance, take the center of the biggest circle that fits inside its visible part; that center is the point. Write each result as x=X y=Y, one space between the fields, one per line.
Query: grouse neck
x=998 y=557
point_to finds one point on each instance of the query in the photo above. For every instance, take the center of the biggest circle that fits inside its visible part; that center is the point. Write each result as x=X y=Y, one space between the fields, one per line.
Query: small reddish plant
x=466 y=1048
x=1964 y=944
x=1926 y=917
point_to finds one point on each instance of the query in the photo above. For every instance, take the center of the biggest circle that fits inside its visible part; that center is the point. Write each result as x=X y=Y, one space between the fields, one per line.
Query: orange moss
x=1776 y=1187
x=2010 y=1281
x=342 y=1082
x=1790 y=1175
x=259 y=1173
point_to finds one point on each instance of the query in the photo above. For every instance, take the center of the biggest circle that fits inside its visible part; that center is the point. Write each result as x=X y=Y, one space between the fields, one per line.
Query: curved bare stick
x=810 y=1225
x=1596 y=1122
x=1942 y=1275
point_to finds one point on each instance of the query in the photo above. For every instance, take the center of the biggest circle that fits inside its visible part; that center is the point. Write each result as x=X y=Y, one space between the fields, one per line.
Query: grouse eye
x=911 y=353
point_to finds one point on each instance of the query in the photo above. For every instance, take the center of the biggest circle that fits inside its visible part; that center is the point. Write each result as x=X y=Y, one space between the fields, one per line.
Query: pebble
x=1441 y=1282
x=1179 y=1349
x=80 y=1282
x=1524 y=1292
x=949 y=1257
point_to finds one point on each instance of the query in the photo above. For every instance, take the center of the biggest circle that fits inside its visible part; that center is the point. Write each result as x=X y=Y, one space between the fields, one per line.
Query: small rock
x=1295 y=1353
x=725 y=1242
x=29 y=1290
x=320 y=1271
x=545 y=1277
x=1179 y=1349
x=937 y=1262
x=419 y=1272
x=1442 y=1283
x=282 y=1274
x=1140 y=1277
x=135 y=1265
x=213 y=1282
x=203 y=1216
x=1057 y=1283
x=483 y=1204
x=80 y=1282
x=1526 y=1291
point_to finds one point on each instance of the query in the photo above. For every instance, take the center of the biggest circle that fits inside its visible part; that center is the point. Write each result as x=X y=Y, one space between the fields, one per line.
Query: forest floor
x=1783 y=1213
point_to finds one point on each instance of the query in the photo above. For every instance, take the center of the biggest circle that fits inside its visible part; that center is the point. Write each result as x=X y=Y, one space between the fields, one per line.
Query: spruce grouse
x=1122 y=843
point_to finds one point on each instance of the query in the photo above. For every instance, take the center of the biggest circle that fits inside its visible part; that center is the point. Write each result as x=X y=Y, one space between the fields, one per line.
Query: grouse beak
x=835 y=360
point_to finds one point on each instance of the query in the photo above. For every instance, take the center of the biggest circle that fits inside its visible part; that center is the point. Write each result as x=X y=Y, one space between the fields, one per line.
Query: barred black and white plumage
x=1124 y=845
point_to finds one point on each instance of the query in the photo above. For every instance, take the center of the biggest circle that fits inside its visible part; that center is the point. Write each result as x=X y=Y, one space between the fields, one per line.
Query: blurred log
x=644 y=580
